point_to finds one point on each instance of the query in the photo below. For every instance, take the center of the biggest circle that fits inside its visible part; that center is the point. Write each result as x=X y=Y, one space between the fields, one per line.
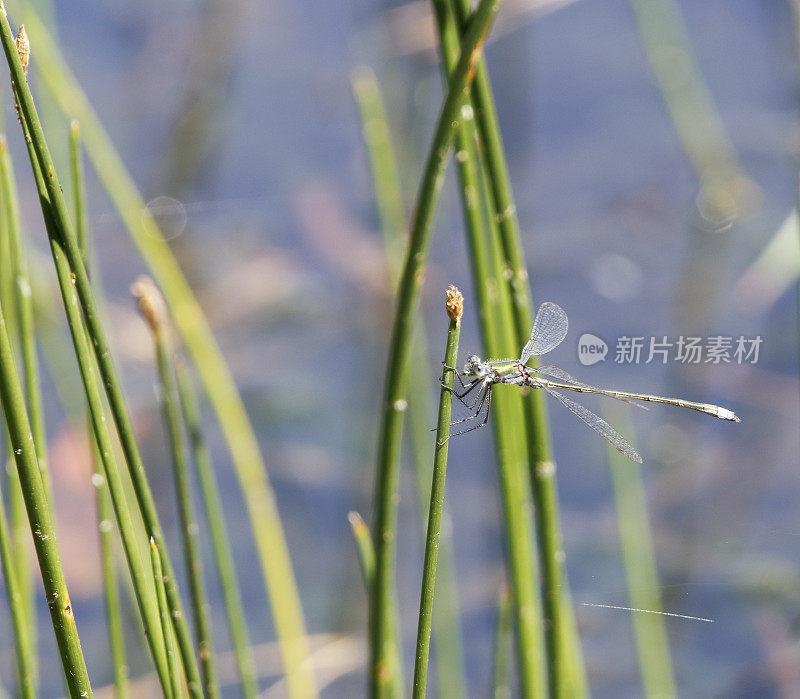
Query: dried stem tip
x=356 y=522
x=151 y=303
x=23 y=48
x=454 y=303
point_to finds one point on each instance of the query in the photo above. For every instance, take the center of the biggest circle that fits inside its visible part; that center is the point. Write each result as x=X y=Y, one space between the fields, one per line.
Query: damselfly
x=549 y=330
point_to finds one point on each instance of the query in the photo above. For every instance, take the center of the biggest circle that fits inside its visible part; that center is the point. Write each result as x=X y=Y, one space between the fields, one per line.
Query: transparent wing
x=606 y=431
x=549 y=330
x=562 y=375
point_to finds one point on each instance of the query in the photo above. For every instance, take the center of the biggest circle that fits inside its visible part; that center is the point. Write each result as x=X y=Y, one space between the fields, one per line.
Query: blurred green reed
x=24 y=657
x=16 y=295
x=24 y=313
x=10 y=296
x=220 y=538
x=153 y=309
x=213 y=372
x=641 y=573
x=501 y=677
x=116 y=632
x=725 y=190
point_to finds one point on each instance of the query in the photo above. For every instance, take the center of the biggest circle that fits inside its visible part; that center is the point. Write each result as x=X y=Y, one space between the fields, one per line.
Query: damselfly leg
x=487 y=399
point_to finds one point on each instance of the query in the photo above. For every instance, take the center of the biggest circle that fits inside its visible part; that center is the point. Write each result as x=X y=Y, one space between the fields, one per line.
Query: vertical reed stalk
x=450 y=671
x=20 y=540
x=497 y=329
x=394 y=402
x=566 y=671
x=211 y=367
x=105 y=526
x=220 y=538
x=174 y=690
x=142 y=579
x=23 y=563
x=502 y=647
x=455 y=309
x=64 y=231
x=41 y=521
x=153 y=308
x=366 y=558
x=26 y=680
x=24 y=313
x=641 y=572
x=691 y=107
x=116 y=637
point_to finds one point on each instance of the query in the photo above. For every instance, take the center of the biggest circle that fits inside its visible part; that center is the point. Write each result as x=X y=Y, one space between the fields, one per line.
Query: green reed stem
x=140 y=575
x=211 y=367
x=26 y=680
x=21 y=547
x=366 y=558
x=220 y=539
x=400 y=350
x=41 y=521
x=641 y=572
x=105 y=508
x=383 y=164
x=66 y=235
x=151 y=301
x=173 y=690
x=501 y=688
x=690 y=104
x=24 y=308
x=116 y=634
x=364 y=547
x=566 y=671
x=11 y=292
x=497 y=329
x=79 y=192
x=21 y=551
x=455 y=306
x=449 y=654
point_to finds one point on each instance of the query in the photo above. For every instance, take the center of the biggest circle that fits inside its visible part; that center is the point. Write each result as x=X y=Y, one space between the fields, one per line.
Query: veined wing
x=606 y=431
x=549 y=330
x=562 y=375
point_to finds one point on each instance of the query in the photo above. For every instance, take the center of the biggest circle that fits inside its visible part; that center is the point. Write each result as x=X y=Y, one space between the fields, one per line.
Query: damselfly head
x=475 y=366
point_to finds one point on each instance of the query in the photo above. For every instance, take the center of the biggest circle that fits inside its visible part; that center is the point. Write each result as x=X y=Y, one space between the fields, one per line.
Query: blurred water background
x=238 y=122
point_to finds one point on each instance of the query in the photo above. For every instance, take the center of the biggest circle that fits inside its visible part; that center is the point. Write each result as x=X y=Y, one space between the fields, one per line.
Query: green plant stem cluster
x=212 y=370
x=394 y=402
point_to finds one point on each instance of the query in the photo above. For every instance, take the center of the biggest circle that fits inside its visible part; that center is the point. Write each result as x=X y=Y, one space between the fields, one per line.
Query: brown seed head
x=23 y=47
x=454 y=303
x=151 y=303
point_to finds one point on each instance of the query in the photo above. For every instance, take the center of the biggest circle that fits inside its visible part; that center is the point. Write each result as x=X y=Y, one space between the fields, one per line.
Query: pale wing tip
x=726 y=414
